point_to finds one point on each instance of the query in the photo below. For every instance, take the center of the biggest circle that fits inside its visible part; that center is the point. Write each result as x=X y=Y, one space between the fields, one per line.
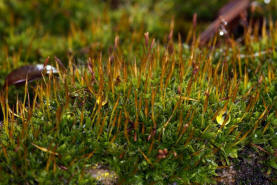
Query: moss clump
x=146 y=108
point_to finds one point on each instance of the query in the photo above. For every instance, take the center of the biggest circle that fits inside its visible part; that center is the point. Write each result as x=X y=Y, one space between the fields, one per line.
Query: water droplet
x=222 y=31
x=222 y=27
x=224 y=23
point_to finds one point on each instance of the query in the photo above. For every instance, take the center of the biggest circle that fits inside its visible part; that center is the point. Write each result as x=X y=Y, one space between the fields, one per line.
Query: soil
x=251 y=169
x=248 y=168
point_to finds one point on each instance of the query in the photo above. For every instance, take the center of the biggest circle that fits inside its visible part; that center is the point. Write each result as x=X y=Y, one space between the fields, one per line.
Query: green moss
x=147 y=114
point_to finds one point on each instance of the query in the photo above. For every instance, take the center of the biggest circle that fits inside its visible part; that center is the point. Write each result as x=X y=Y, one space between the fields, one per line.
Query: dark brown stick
x=227 y=14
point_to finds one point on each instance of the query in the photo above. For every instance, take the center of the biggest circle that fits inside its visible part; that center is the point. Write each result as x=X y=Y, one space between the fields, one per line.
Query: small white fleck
x=48 y=68
x=266 y=1
x=39 y=66
x=222 y=30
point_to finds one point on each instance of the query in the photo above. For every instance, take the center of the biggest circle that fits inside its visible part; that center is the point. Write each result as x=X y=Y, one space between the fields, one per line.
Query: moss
x=146 y=110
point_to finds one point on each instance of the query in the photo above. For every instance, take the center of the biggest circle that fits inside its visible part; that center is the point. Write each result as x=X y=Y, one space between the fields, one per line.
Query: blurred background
x=31 y=30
